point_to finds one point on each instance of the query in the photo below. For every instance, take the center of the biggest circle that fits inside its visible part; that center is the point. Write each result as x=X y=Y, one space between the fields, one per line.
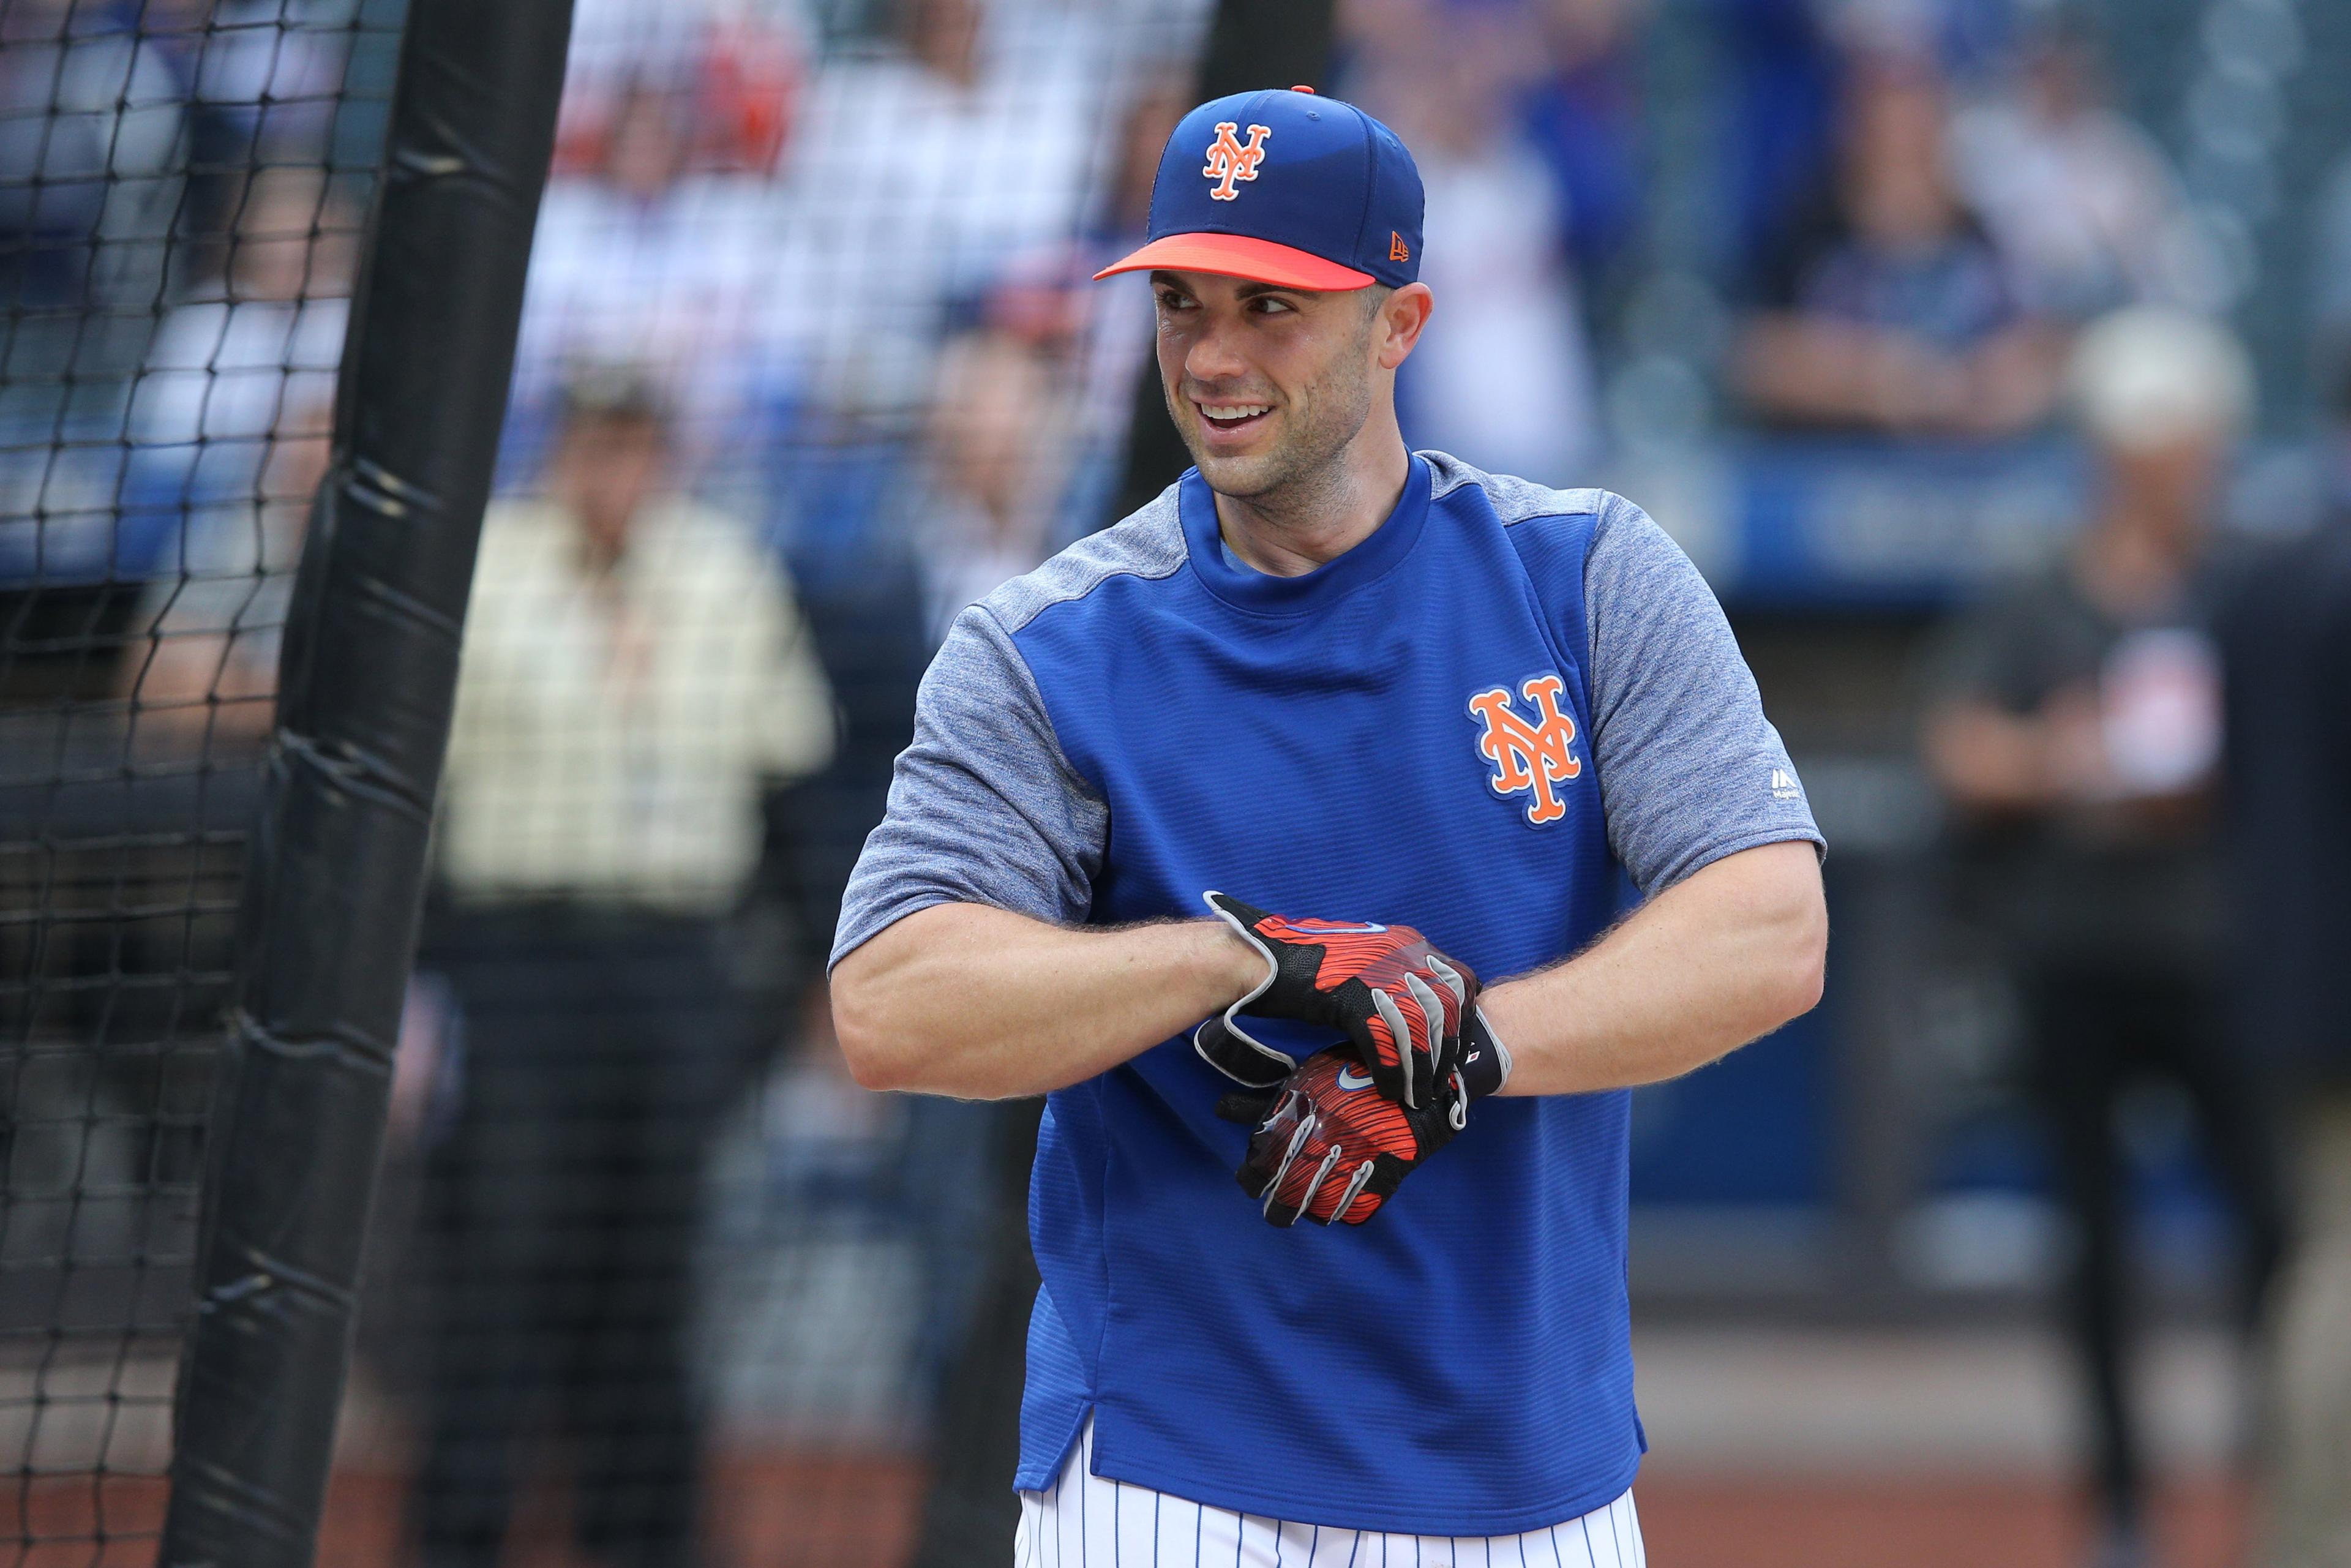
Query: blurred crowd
x=808 y=362
x=847 y=244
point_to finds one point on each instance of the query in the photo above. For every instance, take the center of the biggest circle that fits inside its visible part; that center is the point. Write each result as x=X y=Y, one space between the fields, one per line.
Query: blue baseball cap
x=1285 y=188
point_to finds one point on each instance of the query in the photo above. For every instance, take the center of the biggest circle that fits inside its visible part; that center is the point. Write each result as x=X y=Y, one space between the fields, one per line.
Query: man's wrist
x=1236 y=966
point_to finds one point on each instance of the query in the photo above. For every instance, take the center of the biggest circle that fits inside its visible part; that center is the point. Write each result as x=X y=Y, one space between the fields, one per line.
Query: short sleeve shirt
x=1482 y=719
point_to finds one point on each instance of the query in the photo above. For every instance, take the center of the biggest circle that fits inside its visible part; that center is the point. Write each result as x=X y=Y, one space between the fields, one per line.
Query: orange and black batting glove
x=1326 y=1146
x=1398 y=1001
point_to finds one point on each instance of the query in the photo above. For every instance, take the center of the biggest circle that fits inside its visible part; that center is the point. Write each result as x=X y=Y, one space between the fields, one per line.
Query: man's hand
x=1329 y=1147
x=1399 y=1001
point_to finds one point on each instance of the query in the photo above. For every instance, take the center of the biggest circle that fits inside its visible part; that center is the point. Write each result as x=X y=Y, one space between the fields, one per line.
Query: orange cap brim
x=1239 y=255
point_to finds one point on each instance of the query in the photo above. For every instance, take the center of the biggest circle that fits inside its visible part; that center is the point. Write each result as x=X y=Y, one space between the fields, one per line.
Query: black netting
x=181 y=190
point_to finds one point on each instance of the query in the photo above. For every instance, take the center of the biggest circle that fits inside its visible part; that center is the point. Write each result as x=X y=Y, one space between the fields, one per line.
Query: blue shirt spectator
x=1884 y=306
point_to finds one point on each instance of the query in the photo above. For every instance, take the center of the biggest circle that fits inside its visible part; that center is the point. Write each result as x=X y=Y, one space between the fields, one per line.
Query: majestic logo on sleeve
x=1231 y=159
x=1530 y=759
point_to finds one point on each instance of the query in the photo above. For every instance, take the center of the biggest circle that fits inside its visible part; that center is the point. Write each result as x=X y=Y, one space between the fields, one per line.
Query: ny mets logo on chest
x=1230 y=159
x=1531 y=759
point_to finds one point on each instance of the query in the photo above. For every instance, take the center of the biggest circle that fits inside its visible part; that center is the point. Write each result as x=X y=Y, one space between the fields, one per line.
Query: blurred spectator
x=1584 y=117
x=1883 y=306
x=1561 y=79
x=262 y=79
x=235 y=408
x=1124 y=461
x=1505 y=378
x=2287 y=640
x=1779 y=113
x=2076 y=728
x=923 y=167
x=228 y=366
x=200 y=664
x=653 y=257
x=1118 y=314
x=2330 y=266
x=744 y=60
x=2080 y=200
x=634 y=677
x=90 y=116
x=999 y=433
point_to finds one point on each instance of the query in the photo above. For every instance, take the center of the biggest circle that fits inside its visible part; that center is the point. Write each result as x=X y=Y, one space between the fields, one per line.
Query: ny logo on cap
x=1229 y=161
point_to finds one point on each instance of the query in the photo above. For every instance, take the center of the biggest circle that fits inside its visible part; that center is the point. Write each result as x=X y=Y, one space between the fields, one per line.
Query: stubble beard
x=1301 y=471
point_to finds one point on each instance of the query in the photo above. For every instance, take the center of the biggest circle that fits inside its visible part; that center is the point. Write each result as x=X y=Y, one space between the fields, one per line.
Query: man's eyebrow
x=1250 y=289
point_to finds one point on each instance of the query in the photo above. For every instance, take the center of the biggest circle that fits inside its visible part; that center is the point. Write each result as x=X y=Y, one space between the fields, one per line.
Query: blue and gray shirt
x=1478 y=721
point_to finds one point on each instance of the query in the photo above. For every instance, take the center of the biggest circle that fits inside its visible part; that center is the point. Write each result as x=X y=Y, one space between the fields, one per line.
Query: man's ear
x=1403 y=314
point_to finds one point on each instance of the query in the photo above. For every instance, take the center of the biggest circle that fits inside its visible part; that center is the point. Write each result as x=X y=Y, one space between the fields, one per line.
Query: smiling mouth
x=1232 y=416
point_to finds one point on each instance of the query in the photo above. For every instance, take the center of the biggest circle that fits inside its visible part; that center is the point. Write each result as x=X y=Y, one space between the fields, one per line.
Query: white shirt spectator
x=612 y=736
x=2085 y=208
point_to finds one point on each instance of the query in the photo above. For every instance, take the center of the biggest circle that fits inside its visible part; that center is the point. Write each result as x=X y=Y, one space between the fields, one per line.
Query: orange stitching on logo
x=1229 y=161
x=1536 y=756
x=1397 y=250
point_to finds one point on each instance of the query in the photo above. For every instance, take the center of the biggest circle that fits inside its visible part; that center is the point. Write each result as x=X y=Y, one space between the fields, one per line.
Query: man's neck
x=1318 y=517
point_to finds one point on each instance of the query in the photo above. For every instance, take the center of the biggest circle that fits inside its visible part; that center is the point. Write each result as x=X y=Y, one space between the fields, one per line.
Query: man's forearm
x=981 y=1003
x=1729 y=953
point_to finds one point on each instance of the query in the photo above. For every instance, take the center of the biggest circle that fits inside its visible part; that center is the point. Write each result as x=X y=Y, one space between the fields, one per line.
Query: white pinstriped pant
x=1086 y=1522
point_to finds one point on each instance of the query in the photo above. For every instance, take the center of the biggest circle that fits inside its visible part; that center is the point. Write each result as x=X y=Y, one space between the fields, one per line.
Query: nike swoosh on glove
x=1398 y=1001
x=1326 y=1145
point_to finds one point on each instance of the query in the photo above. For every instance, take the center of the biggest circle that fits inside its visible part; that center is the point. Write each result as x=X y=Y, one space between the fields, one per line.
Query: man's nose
x=1213 y=355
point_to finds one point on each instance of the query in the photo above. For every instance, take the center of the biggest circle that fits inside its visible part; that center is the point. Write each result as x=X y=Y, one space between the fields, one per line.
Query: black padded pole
x=335 y=876
x=1251 y=44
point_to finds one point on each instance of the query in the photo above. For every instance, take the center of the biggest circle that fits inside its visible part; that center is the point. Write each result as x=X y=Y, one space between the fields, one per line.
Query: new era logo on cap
x=1286 y=188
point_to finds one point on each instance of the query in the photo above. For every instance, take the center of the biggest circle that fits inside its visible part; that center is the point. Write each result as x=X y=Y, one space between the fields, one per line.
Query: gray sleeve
x=984 y=808
x=1690 y=770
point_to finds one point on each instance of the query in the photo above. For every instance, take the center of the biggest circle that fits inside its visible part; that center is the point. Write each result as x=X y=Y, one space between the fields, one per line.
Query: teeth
x=1235 y=411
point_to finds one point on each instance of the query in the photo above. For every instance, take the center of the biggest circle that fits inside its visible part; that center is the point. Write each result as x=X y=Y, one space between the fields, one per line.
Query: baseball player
x=1279 y=830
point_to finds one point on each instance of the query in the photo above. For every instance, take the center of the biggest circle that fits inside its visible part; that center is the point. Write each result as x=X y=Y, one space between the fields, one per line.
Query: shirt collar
x=1240 y=584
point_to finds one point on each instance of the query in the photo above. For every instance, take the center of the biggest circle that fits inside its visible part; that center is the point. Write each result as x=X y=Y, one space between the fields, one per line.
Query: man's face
x=1266 y=384
x=604 y=468
x=2169 y=490
x=993 y=405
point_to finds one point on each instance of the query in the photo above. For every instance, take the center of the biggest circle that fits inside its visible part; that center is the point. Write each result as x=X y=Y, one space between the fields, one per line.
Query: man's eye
x=1173 y=301
x=1267 y=305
